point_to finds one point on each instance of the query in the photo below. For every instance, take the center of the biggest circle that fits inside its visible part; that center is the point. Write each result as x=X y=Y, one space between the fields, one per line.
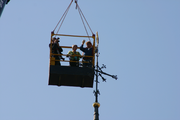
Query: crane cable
x=81 y=15
x=84 y=24
x=63 y=17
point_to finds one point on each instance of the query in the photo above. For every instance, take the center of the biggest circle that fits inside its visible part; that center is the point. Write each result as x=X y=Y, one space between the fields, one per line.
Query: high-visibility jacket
x=74 y=58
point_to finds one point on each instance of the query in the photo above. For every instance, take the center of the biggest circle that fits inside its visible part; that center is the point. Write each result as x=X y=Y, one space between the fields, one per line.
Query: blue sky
x=139 y=42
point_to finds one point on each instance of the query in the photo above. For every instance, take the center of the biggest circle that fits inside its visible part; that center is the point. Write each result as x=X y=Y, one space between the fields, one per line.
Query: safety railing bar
x=73 y=35
x=70 y=55
x=69 y=47
x=71 y=61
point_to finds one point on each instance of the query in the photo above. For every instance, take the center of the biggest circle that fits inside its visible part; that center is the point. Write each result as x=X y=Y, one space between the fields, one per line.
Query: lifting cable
x=84 y=24
x=63 y=17
x=81 y=15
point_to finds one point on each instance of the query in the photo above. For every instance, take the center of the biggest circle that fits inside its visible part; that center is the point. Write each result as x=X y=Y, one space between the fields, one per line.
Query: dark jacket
x=87 y=52
x=56 y=50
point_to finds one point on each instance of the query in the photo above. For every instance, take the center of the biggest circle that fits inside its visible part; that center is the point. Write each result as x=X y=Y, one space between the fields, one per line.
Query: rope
x=84 y=18
x=65 y=13
x=81 y=15
x=83 y=23
x=62 y=22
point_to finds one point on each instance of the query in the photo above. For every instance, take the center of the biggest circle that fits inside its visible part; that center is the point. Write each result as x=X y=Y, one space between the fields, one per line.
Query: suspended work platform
x=68 y=75
x=71 y=76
